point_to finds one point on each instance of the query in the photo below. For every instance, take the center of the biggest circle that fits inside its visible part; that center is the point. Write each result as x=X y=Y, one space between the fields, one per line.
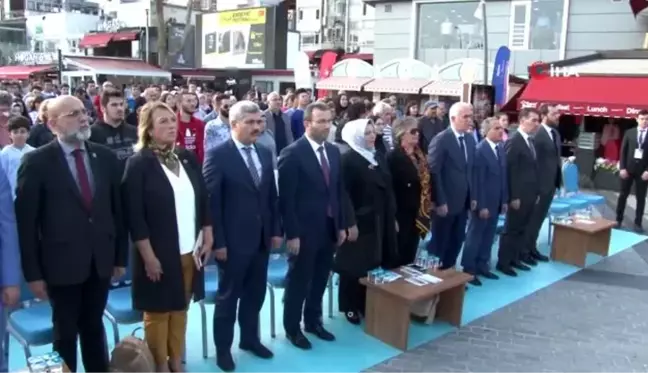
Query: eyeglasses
x=75 y=113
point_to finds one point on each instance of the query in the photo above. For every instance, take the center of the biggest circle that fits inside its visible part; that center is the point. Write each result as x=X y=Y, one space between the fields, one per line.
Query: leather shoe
x=475 y=281
x=257 y=349
x=517 y=265
x=529 y=261
x=638 y=228
x=535 y=254
x=320 y=332
x=299 y=340
x=225 y=362
x=507 y=270
x=489 y=275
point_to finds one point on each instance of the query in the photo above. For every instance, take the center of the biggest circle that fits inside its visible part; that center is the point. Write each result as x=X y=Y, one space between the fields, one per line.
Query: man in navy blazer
x=245 y=215
x=490 y=199
x=450 y=159
x=10 y=275
x=310 y=196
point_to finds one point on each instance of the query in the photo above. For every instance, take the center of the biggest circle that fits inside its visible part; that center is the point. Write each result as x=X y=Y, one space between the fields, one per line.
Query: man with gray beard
x=71 y=232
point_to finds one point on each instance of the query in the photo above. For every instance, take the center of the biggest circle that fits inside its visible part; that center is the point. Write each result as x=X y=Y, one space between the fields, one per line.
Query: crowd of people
x=343 y=184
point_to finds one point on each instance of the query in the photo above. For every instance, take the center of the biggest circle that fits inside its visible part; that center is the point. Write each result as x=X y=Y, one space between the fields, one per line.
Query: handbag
x=132 y=354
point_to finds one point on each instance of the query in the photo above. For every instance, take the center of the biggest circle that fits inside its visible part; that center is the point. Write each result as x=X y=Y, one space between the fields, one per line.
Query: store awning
x=125 y=36
x=99 y=40
x=22 y=72
x=603 y=96
x=396 y=85
x=445 y=88
x=116 y=66
x=342 y=83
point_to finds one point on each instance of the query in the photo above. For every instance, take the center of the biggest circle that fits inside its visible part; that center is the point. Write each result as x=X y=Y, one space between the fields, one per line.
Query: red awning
x=22 y=72
x=446 y=88
x=342 y=83
x=99 y=40
x=125 y=36
x=395 y=85
x=604 y=96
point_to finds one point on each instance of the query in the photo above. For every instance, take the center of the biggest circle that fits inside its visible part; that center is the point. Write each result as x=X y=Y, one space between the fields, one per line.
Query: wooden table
x=387 y=313
x=572 y=242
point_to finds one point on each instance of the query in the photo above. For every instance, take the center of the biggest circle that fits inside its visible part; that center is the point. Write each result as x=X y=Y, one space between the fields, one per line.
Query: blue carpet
x=354 y=350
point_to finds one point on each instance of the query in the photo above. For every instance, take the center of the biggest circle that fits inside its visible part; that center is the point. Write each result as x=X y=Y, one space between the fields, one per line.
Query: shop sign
x=619 y=111
x=543 y=70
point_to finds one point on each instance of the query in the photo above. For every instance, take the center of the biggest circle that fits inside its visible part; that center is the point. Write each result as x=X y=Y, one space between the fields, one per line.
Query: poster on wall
x=234 y=38
x=482 y=98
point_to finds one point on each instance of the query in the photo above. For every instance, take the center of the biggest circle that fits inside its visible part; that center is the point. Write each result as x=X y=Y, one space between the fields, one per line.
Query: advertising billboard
x=234 y=38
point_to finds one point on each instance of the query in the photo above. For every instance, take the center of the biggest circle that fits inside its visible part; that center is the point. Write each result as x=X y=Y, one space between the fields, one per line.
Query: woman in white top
x=168 y=216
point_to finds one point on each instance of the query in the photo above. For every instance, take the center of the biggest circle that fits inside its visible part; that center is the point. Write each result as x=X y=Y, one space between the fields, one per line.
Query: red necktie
x=83 y=179
x=326 y=171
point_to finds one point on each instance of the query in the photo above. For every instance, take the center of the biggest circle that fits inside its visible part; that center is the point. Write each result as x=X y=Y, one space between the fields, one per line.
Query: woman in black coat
x=411 y=182
x=369 y=189
x=168 y=217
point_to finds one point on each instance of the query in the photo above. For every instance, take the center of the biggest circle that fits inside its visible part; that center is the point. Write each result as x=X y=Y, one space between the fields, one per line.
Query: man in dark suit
x=547 y=145
x=71 y=231
x=310 y=194
x=524 y=189
x=634 y=169
x=490 y=199
x=278 y=122
x=245 y=215
x=450 y=159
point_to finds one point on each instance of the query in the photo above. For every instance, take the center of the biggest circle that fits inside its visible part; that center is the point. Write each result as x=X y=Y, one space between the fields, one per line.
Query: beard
x=82 y=134
x=224 y=113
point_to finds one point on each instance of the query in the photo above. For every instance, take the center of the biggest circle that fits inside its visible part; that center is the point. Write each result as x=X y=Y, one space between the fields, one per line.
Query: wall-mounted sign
x=234 y=38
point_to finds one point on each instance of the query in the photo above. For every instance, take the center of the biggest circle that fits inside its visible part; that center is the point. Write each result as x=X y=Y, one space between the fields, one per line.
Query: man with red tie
x=311 y=196
x=71 y=232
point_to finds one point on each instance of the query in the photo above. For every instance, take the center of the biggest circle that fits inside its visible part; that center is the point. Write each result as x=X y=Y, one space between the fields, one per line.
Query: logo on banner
x=543 y=70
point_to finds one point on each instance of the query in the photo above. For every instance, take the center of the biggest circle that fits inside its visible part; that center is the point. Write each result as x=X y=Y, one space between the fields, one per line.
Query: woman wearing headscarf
x=411 y=183
x=373 y=240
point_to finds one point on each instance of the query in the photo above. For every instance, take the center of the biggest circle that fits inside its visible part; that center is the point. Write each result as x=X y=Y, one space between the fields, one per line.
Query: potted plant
x=606 y=175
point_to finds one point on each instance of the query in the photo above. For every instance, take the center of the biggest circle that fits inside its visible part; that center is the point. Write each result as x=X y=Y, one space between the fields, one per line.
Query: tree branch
x=187 y=28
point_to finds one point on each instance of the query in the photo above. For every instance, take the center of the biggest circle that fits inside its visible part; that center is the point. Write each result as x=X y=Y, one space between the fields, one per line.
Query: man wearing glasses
x=70 y=227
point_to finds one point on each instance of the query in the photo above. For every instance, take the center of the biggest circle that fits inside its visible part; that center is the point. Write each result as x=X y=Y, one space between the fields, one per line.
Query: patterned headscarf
x=166 y=155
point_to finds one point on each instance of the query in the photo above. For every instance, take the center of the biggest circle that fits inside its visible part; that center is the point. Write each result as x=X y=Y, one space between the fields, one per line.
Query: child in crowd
x=11 y=155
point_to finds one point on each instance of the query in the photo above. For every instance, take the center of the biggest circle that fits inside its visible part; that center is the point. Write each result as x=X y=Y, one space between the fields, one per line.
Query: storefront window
x=450 y=26
x=533 y=24
x=536 y=24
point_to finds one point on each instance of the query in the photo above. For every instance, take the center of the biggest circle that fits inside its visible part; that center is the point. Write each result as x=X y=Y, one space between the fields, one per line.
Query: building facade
x=332 y=24
x=440 y=31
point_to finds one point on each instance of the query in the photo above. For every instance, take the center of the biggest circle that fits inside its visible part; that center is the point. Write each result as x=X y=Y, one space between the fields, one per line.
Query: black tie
x=554 y=137
x=532 y=147
x=642 y=134
x=462 y=146
x=497 y=150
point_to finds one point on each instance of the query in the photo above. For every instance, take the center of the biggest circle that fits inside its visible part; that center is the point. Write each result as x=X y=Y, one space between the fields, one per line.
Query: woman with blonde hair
x=412 y=189
x=40 y=134
x=168 y=217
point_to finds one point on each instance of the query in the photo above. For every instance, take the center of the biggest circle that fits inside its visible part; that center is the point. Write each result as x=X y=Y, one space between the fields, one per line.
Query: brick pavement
x=595 y=320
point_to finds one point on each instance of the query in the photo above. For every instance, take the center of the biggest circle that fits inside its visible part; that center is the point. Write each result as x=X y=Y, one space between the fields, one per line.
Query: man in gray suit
x=547 y=144
x=278 y=122
x=524 y=191
x=450 y=158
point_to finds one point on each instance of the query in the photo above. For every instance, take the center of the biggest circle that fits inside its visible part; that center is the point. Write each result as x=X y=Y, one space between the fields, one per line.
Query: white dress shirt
x=255 y=156
x=185 y=207
x=316 y=147
x=459 y=135
x=493 y=146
